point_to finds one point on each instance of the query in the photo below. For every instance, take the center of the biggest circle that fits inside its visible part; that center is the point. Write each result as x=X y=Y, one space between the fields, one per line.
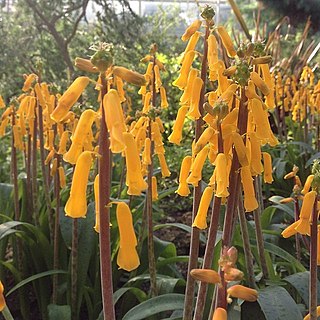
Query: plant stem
x=34 y=170
x=246 y=243
x=259 y=235
x=234 y=189
x=29 y=179
x=297 y=235
x=7 y=314
x=212 y=234
x=56 y=234
x=104 y=213
x=45 y=172
x=195 y=233
x=148 y=203
x=74 y=269
x=313 y=263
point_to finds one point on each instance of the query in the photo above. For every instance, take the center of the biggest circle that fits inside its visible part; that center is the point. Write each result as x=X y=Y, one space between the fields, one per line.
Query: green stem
x=7 y=314
x=104 y=213
x=246 y=243
x=195 y=234
x=313 y=264
x=259 y=235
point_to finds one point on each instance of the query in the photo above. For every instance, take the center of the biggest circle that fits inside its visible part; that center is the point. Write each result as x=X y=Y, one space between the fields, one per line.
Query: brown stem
x=34 y=170
x=212 y=234
x=259 y=235
x=313 y=264
x=194 y=242
x=104 y=213
x=29 y=178
x=45 y=173
x=74 y=269
x=56 y=234
x=208 y=256
x=297 y=235
x=234 y=189
x=246 y=243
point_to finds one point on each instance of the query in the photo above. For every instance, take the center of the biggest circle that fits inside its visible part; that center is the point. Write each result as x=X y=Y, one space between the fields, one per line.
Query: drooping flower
x=250 y=201
x=195 y=25
x=176 y=135
x=200 y=220
x=76 y=206
x=69 y=98
x=220 y=314
x=127 y=258
x=267 y=164
x=206 y=275
x=183 y=189
x=226 y=41
x=2 y=300
x=242 y=292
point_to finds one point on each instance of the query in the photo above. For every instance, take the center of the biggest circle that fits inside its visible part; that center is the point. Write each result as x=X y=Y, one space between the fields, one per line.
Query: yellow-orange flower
x=69 y=98
x=76 y=206
x=128 y=258
x=191 y=30
x=129 y=76
x=226 y=41
x=220 y=314
x=206 y=275
x=250 y=201
x=134 y=179
x=154 y=189
x=307 y=184
x=96 y=200
x=181 y=82
x=200 y=220
x=196 y=168
x=244 y=293
x=267 y=164
x=2 y=300
x=176 y=135
x=183 y=189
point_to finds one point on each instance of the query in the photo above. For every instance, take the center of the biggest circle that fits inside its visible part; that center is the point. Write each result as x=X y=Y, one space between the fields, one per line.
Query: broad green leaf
x=35 y=277
x=141 y=295
x=277 y=304
x=266 y=216
x=6 y=202
x=167 y=285
x=57 y=312
x=166 y=302
x=300 y=281
x=8 y=228
x=180 y=226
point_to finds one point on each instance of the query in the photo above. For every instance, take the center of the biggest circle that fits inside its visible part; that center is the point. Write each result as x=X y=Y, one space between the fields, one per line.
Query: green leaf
x=166 y=302
x=7 y=228
x=180 y=226
x=277 y=304
x=300 y=281
x=6 y=203
x=314 y=157
x=141 y=295
x=35 y=277
x=266 y=216
x=56 y=312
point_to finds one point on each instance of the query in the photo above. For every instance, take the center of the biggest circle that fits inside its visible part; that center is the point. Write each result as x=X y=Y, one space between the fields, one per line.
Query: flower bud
x=226 y=41
x=200 y=220
x=220 y=314
x=244 y=293
x=191 y=30
x=183 y=189
x=206 y=275
x=129 y=76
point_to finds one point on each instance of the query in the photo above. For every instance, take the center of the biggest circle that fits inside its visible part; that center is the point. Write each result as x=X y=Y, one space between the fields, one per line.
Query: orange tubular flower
x=163 y=165
x=194 y=112
x=290 y=230
x=243 y=293
x=186 y=96
x=154 y=189
x=28 y=82
x=305 y=213
x=183 y=189
x=129 y=76
x=76 y=206
x=176 y=135
x=134 y=179
x=163 y=96
x=318 y=246
x=128 y=258
x=157 y=78
x=307 y=317
x=96 y=200
x=200 y=220
x=212 y=51
x=146 y=156
x=191 y=30
x=307 y=184
x=267 y=163
x=63 y=143
x=181 y=82
x=196 y=168
x=240 y=149
x=221 y=176
x=80 y=134
x=85 y=65
x=114 y=120
x=255 y=163
x=203 y=139
x=2 y=300
x=62 y=177
x=192 y=42
x=69 y=98
x=260 y=83
x=226 y=41
x=2 y=104
x=206 y=275
x=220 y=314
x=250 y=201
x=39 y=95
